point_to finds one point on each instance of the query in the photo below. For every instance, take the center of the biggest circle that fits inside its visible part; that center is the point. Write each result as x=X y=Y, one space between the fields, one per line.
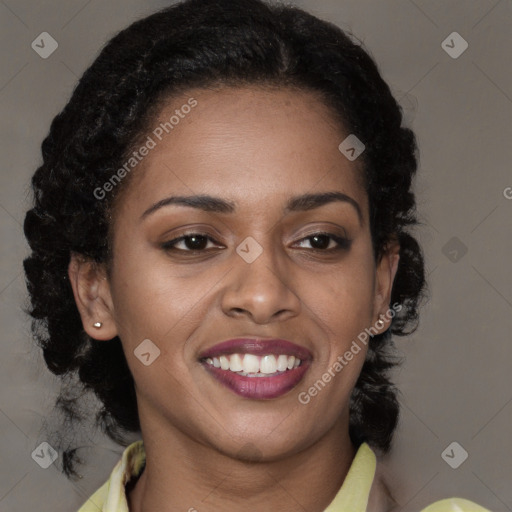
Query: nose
x=261 y=290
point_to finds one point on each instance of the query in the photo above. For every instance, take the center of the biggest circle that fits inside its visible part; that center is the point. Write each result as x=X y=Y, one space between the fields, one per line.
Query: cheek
x=158 y=301
x=153 y=303
x=343 y=299
x=343 y=307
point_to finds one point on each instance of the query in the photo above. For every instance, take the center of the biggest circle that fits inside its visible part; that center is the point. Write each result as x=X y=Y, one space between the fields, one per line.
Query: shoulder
x=112 y=494
x=96 y=501
x=454 y=505
x=381 y=499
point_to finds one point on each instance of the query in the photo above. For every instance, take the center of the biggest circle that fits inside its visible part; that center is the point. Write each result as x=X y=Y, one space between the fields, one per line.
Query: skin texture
x=207 y=447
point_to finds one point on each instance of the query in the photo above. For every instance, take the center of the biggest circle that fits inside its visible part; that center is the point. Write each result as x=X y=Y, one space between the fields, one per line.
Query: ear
x=385 y=276
x=91 y=290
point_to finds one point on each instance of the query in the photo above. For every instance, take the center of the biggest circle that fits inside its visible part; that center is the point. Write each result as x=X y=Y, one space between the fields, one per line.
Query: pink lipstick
x=257 y=368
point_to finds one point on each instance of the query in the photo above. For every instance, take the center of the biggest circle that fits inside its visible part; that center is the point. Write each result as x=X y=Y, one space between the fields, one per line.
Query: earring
x=97 y=325
x=379 y=324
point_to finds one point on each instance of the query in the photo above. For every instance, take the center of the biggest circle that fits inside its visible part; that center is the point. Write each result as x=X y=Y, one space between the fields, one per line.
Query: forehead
x=254 y=145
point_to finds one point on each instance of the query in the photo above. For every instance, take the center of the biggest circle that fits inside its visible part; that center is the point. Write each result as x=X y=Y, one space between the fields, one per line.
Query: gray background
x=455 y=382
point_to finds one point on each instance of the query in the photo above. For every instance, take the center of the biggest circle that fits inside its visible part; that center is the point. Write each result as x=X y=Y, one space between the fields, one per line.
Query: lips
x=257 y=368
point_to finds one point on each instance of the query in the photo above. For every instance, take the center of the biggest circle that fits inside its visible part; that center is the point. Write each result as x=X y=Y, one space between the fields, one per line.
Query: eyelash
x=343 y=243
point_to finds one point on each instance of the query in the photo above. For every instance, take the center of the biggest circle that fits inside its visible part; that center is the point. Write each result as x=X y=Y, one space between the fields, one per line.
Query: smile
x=257 y=368
x=251 y=365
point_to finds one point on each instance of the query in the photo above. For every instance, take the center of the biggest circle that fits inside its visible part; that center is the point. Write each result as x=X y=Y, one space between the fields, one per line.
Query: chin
x=255 y=447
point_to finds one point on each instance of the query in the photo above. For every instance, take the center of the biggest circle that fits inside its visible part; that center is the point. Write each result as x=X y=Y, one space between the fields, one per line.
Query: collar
x=111 y=496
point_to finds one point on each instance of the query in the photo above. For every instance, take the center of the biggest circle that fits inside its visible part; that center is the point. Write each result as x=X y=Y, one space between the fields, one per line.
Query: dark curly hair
x=206 y=43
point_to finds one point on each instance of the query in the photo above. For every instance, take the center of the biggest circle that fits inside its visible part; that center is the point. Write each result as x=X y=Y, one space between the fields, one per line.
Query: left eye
x=327 y=242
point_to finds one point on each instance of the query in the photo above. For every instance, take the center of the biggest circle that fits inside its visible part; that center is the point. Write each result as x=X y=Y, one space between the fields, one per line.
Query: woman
x=220 y=250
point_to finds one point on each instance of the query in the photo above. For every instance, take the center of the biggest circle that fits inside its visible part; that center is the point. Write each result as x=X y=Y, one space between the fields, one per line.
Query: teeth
x=251 y=364
x=268 y=364
x=235 y=363
x=254 y=366
x=224 y=363
x=282 y=363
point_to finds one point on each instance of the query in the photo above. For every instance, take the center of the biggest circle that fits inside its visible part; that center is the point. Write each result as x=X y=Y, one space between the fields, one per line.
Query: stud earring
x=379 y=324
x=97 y=325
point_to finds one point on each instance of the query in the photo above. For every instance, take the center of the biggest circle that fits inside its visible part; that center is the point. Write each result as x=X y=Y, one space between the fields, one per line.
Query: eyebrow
x=300 y=203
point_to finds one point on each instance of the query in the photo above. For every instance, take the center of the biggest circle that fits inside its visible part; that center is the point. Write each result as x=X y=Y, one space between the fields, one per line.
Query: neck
x=182 y=474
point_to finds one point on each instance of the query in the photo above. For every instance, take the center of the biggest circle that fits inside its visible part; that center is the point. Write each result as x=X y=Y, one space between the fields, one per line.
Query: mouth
x=259 y=369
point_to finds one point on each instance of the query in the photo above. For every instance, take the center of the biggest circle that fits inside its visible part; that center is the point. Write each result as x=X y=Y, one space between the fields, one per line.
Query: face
x=266 y=259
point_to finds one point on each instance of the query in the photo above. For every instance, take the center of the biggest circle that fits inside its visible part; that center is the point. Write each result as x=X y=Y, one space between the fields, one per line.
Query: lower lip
x=259 y=388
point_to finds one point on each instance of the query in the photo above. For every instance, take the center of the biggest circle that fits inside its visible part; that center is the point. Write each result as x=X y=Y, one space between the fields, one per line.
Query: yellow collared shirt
x=352 y=496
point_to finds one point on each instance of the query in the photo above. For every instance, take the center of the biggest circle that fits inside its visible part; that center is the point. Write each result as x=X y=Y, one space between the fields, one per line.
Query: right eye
x=192 y=242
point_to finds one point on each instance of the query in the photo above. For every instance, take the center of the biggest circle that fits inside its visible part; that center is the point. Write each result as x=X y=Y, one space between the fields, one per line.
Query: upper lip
x=257 y=346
